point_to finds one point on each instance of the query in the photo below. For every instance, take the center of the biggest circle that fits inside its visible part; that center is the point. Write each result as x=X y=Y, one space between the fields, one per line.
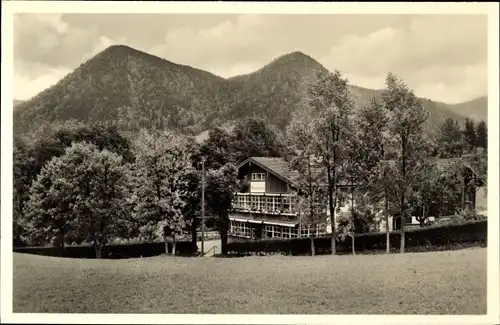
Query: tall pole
x=203 y=206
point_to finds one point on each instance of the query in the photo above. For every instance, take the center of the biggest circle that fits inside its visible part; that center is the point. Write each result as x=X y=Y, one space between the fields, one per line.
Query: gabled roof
x=276 y=166
x=280 y=168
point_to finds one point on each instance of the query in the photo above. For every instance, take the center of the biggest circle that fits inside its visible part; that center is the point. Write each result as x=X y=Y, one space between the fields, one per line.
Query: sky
x=441 y=57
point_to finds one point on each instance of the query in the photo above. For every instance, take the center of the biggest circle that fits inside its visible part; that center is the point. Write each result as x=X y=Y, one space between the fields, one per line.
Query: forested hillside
x=131 y=89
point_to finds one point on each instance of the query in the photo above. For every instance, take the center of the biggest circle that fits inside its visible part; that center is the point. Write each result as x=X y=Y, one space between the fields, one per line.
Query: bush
x=470 y=215
x=114 y=251
x=453 y=236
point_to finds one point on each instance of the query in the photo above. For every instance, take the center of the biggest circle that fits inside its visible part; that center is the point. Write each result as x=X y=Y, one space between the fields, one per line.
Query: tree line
x=377 y=159
x=455 y=141
x=78 y=183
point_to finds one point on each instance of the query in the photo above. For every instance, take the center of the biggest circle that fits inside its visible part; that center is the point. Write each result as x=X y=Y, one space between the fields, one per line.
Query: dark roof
x=276 y=166
x=280 y=168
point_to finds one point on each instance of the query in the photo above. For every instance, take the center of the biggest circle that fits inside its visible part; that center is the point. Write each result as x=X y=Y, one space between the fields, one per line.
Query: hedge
x=453 y=236
x=113 y=251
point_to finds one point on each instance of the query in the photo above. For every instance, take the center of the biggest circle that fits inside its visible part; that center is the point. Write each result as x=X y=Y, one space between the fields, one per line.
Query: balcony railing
x=279 y=204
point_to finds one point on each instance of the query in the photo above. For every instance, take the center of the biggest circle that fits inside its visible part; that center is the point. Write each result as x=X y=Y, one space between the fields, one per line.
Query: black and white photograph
x=233 y=162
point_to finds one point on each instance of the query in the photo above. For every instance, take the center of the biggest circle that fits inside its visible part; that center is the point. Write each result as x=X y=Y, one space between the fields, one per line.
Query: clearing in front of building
x=451 y=282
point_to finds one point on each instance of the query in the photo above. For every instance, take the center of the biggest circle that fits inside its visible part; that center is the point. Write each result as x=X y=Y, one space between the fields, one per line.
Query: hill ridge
x=130 y=88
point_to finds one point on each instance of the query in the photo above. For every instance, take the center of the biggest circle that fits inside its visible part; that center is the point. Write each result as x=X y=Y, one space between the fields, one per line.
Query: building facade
x=268 y=207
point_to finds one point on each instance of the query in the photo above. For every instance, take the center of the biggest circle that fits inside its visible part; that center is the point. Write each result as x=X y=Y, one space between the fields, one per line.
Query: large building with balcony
x=267 y=207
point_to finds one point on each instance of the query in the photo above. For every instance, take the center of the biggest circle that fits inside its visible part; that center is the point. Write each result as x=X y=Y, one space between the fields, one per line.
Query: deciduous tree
x=217 y=148
x=406 y=121
x=35 y=149
x=364 y=151
x=329 y=101
x=254 y=136
x=310 y=185
x=161 y=172
x=221 y=185
x=79 y=194
x=438 y=185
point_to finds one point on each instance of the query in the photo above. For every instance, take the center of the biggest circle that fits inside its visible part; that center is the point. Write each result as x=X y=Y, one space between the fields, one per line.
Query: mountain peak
x=118 y=46
x=295 y=61
x=297 y=56
x=120 y=49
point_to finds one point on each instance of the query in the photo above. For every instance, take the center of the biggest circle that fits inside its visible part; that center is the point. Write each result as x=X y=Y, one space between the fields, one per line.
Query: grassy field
x=452 y=282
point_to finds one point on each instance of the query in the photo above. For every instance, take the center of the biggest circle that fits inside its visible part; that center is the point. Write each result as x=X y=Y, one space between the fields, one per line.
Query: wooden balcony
x=266 y=203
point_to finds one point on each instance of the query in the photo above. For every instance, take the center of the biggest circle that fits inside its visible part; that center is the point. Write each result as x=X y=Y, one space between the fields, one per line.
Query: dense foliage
x=33 y=151
x=78 y=195
x=75 y=183
x=160 y=185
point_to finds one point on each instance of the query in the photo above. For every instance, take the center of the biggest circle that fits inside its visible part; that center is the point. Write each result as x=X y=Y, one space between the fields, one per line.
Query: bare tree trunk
x=62 y=248
x=387 y=231
x=353 y=229
x=403 y=194
x=313 y=250
x=173 y=245
x=98 y=250
x=403 y=218
x=332 y=210
x=166 y=244
x=463 y=195
x=223 y=242
x=423 y=217
x=60 y=245
x=311 y=209
x=334 y=231
x=194 y=231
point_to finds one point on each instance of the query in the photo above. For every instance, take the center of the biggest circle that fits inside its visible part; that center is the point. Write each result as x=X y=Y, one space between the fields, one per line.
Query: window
x=273 y=231
x=243 y=229
x=308 y=230
x=245 y=202
x=269 y=231
x=277 y=204
x=254 y=203
x=269 y=204
x=286 y=204
x=277 y=232
x=289 y=232
x=261 y=203
x=258 y=176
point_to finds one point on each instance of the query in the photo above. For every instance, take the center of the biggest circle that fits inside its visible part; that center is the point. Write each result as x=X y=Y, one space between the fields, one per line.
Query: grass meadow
x=449 y=282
